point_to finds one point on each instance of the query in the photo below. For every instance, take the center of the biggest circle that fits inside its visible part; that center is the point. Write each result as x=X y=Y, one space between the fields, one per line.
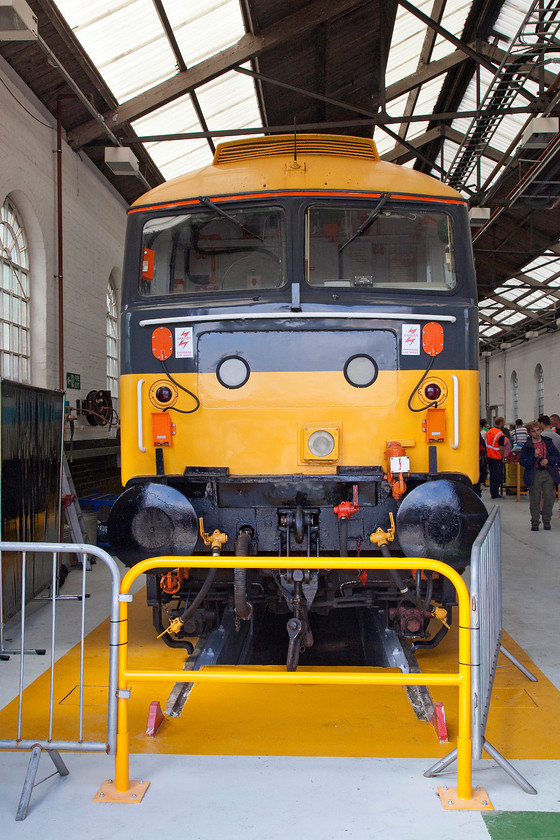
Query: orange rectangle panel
x=162 y=429
x=148 y=261
x=434 y=425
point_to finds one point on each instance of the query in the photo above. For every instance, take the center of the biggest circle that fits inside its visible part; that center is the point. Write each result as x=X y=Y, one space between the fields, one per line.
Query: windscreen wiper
x=371 y=218
x=207 y=203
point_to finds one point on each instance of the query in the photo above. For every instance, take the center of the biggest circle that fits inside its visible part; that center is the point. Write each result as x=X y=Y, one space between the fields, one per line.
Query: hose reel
x=97 y=408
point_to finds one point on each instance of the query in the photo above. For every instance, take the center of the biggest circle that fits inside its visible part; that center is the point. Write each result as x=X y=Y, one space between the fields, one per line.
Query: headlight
x=360 y=371
x=233 y=372
x=321 y=443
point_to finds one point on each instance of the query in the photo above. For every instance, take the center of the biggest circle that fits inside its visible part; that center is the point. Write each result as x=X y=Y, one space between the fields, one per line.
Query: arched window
x=539 y=390
x=112 y=343
x=15 y=310
x=514 y=395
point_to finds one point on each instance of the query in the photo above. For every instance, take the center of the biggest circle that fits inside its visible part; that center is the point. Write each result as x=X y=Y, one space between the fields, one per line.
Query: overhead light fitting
x=478 y=216
x=17 y=21
x=505 y=345
x=121 y=160
x=539 y=133
x=486 y=353
x=532 y=334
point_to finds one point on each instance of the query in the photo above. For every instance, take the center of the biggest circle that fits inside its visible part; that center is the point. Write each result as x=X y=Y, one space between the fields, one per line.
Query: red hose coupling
x=345 y=510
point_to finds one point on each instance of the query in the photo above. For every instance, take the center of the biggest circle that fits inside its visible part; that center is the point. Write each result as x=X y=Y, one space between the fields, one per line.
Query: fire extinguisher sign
x=184 y=343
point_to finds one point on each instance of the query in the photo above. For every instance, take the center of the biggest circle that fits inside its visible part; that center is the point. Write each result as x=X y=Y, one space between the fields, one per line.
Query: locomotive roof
x=308 y=161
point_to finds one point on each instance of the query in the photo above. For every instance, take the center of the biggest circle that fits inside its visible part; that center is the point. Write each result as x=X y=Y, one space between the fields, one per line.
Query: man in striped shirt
x=519 y=435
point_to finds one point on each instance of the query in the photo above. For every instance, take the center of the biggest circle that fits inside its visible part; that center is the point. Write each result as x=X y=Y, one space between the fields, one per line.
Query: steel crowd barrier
x=51 y=744
x=486 y=643
x=122 y=789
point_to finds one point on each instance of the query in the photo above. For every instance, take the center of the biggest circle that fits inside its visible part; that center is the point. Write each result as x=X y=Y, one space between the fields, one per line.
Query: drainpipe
x=60 y=256
x=60 y=267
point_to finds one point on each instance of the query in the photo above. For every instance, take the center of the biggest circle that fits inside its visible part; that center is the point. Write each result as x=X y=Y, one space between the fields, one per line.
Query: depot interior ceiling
x=448 y=87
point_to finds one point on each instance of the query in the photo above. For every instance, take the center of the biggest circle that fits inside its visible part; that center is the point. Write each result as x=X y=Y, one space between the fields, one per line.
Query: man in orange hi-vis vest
x=495 y=442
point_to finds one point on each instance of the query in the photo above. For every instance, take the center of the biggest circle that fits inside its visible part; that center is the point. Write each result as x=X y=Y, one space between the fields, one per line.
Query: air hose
x=243 y=607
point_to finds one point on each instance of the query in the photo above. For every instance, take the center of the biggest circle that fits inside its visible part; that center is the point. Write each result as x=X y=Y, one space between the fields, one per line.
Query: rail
x=122 y=789
x=50 y=743
x=486 y=643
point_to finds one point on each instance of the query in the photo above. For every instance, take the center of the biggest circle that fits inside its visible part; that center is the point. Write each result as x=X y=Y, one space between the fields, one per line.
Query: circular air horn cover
x=440 y=520
x=151 y=520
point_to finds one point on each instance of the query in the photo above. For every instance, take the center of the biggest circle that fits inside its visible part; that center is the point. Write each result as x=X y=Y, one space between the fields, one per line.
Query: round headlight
x=233 y=372
x=360 y=371
x=321 y=443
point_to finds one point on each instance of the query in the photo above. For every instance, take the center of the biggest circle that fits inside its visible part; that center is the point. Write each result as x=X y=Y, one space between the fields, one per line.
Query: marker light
x=163 y=393
x=233 y=372
x=432 y=392
x=360 y=371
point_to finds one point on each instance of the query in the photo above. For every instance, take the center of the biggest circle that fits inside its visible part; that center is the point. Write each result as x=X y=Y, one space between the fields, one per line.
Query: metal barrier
x=122 y=789
x=50 y=744
x=486 y=643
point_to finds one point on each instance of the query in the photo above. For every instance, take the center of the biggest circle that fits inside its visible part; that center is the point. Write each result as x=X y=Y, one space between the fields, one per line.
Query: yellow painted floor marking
x=285 y=720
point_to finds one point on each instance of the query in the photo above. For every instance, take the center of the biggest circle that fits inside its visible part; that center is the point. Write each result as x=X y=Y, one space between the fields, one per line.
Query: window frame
x=398 y=207
x=15 y=295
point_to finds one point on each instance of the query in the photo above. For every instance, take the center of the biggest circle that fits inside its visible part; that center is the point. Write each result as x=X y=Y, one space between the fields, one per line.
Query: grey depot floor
x=311 y=797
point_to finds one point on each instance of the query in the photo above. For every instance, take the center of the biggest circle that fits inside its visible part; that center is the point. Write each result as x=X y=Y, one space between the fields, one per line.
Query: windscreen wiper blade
x=207 y=203
x=371 y=218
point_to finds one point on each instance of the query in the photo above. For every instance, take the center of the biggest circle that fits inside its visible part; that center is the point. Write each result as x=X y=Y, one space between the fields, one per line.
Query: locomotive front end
x=299 y=375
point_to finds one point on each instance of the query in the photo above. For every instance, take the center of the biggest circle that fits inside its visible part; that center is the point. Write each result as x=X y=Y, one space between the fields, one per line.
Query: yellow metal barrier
x=124 y=790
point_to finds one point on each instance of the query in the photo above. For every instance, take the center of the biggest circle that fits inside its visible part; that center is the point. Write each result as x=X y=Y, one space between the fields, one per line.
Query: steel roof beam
x=423 y=59
x=170 y=35
x=394 y=91
x=249 y=46
x=399 y=155
x=468 y=50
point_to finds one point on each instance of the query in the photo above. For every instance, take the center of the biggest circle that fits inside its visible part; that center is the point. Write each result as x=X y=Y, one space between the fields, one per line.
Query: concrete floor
x=206 y=796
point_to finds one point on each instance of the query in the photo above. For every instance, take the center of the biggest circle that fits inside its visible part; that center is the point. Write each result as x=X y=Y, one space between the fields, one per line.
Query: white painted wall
x=523 y=359
x=94 y=220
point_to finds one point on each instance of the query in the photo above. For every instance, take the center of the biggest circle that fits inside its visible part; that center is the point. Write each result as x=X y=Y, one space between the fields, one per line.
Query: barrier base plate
x=480 y=800
x=109 y=793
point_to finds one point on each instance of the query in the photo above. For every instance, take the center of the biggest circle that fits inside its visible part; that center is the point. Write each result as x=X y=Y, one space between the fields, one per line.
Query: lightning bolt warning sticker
x=184 y=343
x=411 y=340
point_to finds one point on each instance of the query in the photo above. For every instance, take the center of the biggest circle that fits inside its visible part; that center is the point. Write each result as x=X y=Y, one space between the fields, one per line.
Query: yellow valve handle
x=441 y=615
x=174 y=627
x=381 y=537
x=215 y=540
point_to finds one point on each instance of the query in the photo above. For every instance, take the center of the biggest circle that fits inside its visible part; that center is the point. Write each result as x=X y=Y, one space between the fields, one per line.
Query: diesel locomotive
x=299 y=343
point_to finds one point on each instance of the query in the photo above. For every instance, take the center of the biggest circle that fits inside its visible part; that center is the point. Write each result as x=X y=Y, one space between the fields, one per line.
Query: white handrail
x=455 y=381
x=281 y=315
x=141 y=446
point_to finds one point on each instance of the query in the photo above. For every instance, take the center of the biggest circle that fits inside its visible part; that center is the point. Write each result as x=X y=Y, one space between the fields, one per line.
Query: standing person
x=547 y=430
x=482 y=467
x=519 y=435
x=495 y=442
x=555 y=420
x=540 y=458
